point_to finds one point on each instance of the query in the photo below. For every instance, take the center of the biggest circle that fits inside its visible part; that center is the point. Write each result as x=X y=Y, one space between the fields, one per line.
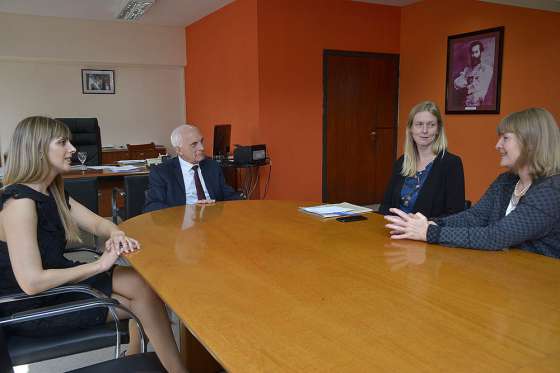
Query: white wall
x=40 y=73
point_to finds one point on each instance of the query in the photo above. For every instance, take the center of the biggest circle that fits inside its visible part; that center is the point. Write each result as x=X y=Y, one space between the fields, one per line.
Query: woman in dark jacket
x=427 y=178
x=522 y=206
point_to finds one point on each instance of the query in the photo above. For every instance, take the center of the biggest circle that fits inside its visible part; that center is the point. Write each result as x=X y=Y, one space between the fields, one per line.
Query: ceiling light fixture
x=134 y=9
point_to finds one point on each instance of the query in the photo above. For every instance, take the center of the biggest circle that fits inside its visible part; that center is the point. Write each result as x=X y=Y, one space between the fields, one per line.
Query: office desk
x=245 y=178
x=266 y=288
x=106 y=182
x=112 y=155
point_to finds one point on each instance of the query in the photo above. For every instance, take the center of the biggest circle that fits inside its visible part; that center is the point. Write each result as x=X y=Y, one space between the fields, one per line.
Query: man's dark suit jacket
x=443 y=192
x=167 y=187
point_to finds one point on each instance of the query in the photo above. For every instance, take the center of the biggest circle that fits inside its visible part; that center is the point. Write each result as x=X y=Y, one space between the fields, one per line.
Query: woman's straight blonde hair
x=410 y=150
x=28 y=162
x=539 y=137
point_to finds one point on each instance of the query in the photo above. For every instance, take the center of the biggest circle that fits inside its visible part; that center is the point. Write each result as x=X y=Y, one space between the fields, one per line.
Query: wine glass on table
x=82 y=156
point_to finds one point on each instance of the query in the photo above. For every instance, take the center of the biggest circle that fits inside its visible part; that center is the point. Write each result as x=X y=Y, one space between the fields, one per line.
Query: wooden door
x=359 y=125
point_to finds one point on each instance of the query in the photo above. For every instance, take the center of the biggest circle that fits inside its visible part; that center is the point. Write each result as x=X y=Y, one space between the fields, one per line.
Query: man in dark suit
x=188 y=178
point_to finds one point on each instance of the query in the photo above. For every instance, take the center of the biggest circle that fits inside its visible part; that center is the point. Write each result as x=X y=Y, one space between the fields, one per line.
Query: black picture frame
x=474 y=72
x=98 y=81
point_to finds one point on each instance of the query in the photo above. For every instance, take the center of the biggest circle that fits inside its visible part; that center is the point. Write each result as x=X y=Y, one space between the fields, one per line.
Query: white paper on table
x=327 y=209
x=123 y=168
x=334 y=210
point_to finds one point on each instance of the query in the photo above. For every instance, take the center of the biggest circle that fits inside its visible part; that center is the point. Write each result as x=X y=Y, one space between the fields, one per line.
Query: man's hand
x=205 y=201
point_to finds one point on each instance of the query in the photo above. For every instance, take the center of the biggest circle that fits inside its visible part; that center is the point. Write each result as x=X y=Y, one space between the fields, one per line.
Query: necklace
x=522 y=192
x=516 y=196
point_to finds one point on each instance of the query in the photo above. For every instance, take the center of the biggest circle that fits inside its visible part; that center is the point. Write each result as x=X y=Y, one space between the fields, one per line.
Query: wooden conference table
x=266 y=288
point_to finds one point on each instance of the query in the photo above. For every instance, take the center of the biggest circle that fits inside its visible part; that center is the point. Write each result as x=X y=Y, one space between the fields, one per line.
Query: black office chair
x=27 y=350
x=86 y=192
x=86 y=137
x=134 y=196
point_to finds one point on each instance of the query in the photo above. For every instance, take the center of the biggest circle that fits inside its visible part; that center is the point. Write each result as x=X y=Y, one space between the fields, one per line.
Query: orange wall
x=257 y=64
x=221 y=79
x=530 y=74
x=292 y=37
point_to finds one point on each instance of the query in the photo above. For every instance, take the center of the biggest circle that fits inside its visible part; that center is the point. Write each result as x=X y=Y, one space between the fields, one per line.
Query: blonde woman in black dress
x=37 y=217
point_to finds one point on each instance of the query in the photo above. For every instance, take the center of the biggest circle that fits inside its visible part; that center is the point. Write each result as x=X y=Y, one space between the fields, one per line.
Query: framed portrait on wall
x=474 y=72
x=98 y=81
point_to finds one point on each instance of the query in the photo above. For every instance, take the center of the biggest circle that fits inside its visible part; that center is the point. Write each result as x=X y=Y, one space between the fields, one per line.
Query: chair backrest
x=84 y=191
x=135 y=187
x=86 y=137
x=142 y=151
x=5 y=361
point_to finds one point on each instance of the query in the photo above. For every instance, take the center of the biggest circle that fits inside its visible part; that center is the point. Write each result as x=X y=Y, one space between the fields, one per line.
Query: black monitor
x=222 y=139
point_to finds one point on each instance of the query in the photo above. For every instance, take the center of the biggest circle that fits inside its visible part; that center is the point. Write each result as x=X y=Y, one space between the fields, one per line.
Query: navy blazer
x=167 y=187
x=443 y=192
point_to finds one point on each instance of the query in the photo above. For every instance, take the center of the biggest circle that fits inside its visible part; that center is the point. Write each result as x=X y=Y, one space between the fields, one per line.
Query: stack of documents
x=335 y=210
x=132 y=162
x=128 y=168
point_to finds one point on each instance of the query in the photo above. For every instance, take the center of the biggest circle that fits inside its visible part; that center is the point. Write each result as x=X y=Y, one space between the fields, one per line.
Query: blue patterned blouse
x=411 y=188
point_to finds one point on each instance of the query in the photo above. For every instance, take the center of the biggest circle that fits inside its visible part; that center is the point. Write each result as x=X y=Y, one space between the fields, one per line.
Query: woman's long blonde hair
x=28 y=162
x=539 y=137
x=410 y=150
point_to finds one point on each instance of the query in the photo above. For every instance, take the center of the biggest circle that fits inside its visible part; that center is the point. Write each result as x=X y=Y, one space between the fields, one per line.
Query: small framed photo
x=98 y=81
x=474 y=72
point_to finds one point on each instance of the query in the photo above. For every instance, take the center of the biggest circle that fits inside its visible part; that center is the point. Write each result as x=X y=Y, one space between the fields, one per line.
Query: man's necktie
x=198 y=185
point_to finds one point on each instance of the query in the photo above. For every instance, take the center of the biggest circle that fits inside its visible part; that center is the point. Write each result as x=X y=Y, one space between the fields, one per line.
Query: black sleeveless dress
x=51 y=241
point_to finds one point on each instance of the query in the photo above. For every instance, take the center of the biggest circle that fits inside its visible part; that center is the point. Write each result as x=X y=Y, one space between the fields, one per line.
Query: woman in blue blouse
x=427 y=178
x=522 y=206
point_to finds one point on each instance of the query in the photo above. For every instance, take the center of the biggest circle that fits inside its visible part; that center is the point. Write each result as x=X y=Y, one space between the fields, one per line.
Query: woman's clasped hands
x=407 y=226
x=121 y=244
x=117 y=245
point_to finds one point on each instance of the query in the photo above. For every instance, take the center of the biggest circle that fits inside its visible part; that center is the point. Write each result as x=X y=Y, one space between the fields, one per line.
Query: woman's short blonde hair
x=539 y=137
x=410 y=150
x=28 y=162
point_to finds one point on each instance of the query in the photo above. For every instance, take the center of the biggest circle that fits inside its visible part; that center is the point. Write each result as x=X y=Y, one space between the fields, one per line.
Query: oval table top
x=268 y=288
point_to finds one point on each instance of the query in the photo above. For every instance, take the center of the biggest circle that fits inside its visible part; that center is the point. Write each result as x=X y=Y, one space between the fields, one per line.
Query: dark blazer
x=167 y=187
x=534 y=225
x=443 y=192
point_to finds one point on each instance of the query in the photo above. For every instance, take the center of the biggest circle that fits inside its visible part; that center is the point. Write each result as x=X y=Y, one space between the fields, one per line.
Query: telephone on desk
x=252 y=154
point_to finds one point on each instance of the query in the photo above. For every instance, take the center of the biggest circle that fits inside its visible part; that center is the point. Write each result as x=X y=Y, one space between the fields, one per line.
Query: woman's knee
x=128 y=282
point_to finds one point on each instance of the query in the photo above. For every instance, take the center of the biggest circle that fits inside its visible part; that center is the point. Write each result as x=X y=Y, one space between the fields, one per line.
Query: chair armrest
x=59 y=309
x=54 y=291
x=98 y=299
x=91 y=250
x=114 y=208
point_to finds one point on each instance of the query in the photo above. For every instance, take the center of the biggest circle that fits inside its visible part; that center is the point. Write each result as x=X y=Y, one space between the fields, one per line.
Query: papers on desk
x=336 y=210
x=136 y=162
x=115 y=168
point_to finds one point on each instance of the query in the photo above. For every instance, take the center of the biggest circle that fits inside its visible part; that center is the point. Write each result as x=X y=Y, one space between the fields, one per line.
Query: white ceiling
x=552 y=5
x=164 y=12
x=179 y=12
